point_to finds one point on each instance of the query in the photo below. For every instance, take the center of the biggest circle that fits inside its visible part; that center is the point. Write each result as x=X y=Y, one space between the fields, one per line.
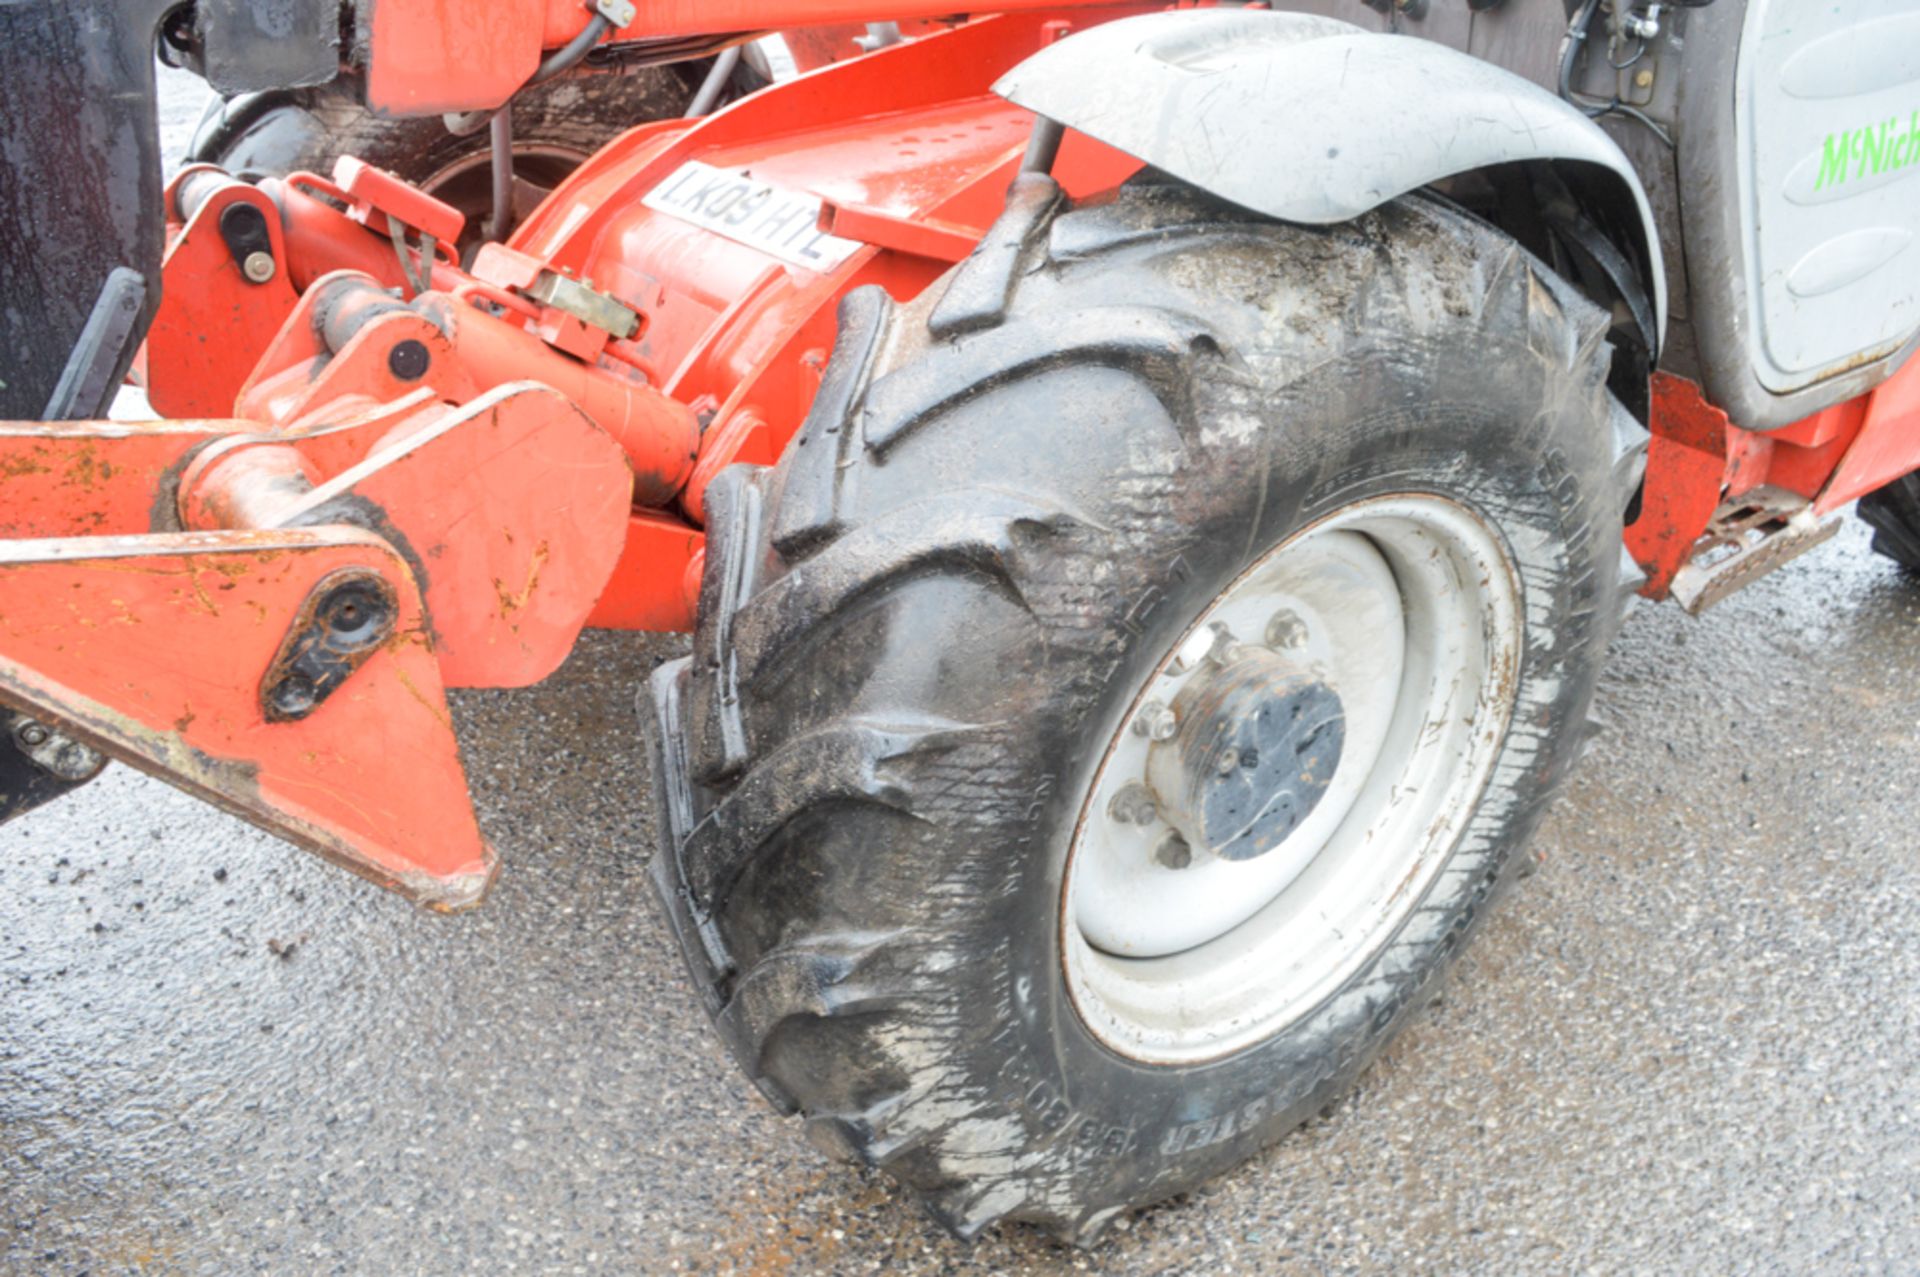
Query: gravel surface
x=1689 y=1043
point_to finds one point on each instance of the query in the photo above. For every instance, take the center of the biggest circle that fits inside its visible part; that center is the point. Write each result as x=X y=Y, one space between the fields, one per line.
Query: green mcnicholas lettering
x=1869 y=151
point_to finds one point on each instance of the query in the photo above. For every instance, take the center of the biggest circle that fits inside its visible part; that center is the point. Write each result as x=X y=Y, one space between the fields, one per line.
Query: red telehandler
x=1151 y=488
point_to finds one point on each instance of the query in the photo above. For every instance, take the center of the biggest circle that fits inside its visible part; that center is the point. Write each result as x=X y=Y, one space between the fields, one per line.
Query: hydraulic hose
x=500 y=121
x=561 y=59
x=1570 y=49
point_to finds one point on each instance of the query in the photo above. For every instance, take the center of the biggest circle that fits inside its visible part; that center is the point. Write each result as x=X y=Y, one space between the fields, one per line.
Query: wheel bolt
x=1286 y=630
x=1209 y=645
x=1134 y=805
x=1173 y=852
x=1156 y=722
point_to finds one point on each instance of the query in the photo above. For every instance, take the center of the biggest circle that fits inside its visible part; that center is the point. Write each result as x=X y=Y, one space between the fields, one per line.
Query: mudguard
x=1309 y=119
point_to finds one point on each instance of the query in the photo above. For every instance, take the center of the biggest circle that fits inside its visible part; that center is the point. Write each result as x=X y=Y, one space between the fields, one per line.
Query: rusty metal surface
x=1699 y=462
x=1748 y=537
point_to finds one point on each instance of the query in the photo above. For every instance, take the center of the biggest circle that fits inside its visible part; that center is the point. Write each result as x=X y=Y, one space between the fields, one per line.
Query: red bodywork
x=1698 y=461
x=504 y=470
x=503 y=463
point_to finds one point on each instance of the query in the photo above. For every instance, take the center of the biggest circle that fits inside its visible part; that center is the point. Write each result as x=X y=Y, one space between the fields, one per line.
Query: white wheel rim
x=1407 y=608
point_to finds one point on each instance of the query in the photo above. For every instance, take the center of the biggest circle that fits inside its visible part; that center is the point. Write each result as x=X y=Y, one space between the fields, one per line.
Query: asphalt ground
x=1687 y=1044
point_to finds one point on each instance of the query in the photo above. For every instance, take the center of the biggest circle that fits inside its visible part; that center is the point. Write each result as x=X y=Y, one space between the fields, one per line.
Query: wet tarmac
x=1691 y=1042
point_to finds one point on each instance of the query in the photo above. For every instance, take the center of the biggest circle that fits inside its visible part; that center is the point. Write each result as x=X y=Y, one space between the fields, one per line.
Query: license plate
x=778 y=222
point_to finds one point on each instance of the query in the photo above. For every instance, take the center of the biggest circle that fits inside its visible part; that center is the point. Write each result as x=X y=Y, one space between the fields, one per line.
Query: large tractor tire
x=1893 y=512
x=1124 y=696
x=556 y=126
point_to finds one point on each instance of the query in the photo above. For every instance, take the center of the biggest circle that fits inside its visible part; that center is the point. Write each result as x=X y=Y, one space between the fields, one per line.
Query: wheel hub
x=1290 y=777
x=1259 y=741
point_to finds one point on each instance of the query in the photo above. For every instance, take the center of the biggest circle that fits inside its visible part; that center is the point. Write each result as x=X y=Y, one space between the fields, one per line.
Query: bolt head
x=294 y=695
x=1156 y=721
x=1228 y=761
x=1173 y=852
x=409 y=359
x=1286 y=631
x=1135 y=804
x=1209 y=645
x=258 y=266
x=356 y=616
x=33 y=734
x=1643 y=79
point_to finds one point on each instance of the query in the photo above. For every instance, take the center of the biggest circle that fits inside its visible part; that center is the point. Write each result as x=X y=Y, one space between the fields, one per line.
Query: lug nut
x=1209 y=645
x=1135 y=804
x=258 y=266
x=1173 y=853
x=1286 y=630
x=1156 y=722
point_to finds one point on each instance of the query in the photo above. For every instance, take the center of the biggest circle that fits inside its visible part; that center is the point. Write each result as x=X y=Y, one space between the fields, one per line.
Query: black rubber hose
x=561 y=59
x=499 y=122
x=1596 y=107
x=1570 y=48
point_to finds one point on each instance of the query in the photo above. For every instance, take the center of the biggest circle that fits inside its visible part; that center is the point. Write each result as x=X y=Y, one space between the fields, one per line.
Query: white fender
x=1304 y=118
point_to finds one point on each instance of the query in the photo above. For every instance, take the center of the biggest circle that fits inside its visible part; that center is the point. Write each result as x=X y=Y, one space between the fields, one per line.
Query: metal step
x=1748 y=537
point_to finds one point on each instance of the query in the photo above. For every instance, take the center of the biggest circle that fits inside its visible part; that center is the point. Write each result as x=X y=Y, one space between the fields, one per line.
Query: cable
x=420 y=279
x=561 y=59
x=1596 y=107
x=499 y=121
x=1617 y=107
x=1570 y=46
